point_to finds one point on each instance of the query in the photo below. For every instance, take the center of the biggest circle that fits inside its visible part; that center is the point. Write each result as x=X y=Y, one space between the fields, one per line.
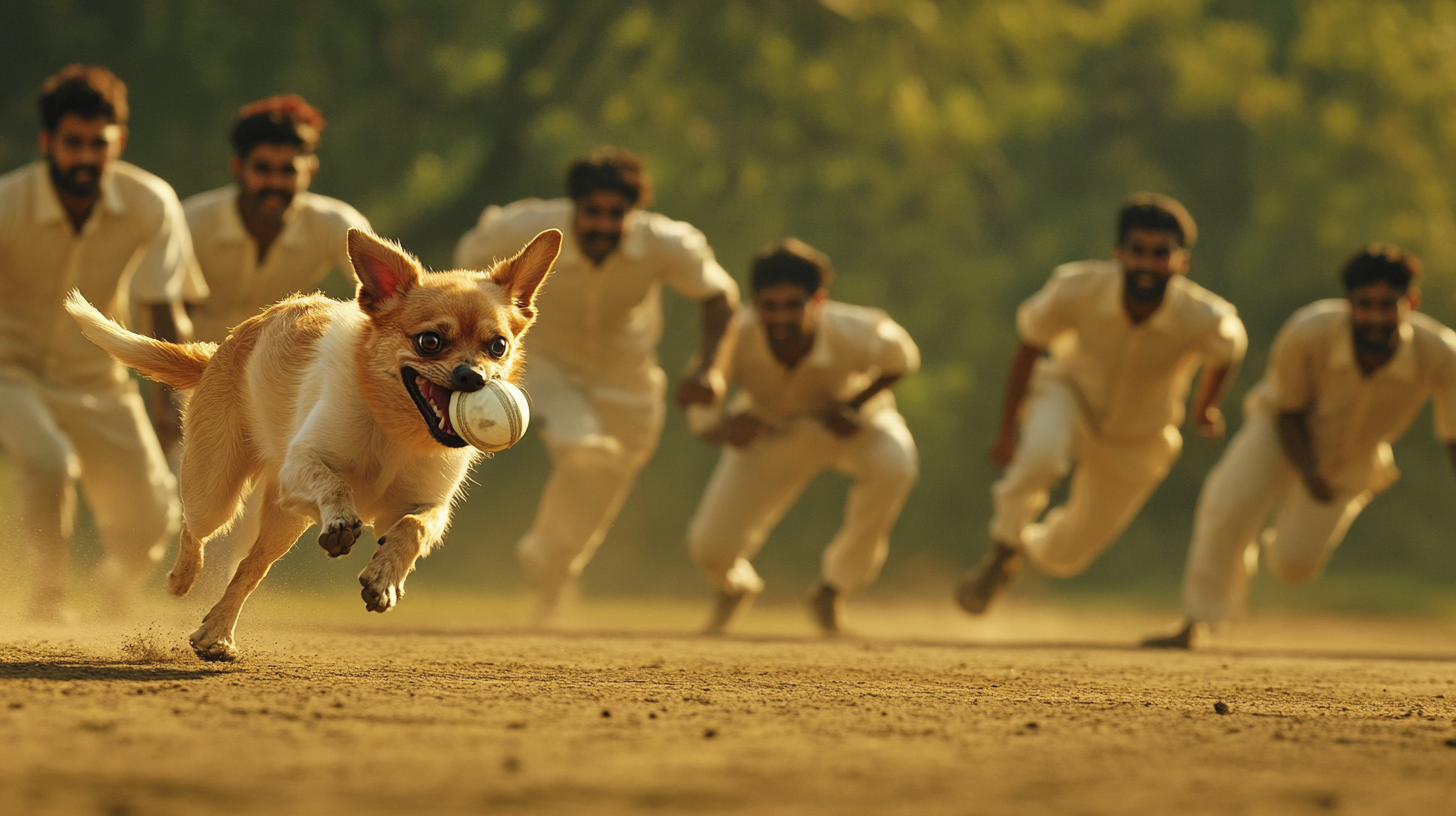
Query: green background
x=946 y=156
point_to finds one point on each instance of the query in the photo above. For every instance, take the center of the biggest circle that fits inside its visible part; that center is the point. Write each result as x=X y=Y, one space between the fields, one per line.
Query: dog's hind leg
x=278 y=529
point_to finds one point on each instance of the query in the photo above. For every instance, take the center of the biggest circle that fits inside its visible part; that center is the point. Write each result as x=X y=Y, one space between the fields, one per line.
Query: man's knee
x=1292 y=570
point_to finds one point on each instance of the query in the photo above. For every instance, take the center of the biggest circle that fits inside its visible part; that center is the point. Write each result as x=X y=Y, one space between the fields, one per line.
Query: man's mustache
x=70 y=180
x=594 y=235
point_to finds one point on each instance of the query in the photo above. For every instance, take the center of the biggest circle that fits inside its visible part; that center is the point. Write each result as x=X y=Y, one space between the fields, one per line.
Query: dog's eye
x=498 y=347
x=429 y=342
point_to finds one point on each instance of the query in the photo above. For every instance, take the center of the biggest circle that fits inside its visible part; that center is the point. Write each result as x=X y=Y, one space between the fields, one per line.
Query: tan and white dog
x=338 y=411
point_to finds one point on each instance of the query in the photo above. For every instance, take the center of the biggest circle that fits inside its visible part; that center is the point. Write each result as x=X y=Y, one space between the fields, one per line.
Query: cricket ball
x=491 y=419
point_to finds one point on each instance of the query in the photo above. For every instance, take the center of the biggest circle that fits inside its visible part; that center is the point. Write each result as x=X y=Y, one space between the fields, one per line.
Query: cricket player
x=595 y=383
x=264 y=237
x=83 y=219
x=1346 y=378
x=1124 y=340
x=814 y=378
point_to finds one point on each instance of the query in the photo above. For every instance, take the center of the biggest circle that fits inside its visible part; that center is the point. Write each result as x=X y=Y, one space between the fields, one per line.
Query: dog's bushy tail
x=179 y=365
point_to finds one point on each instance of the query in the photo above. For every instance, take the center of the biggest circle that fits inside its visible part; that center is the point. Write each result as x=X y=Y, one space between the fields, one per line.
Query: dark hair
x=791 y=261
x=1153 y=211
x=1381 y=262
x=87 y=91
x=610 y=168
x=283 y=119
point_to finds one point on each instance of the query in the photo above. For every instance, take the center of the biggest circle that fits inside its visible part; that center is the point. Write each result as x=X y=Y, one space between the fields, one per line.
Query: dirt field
x=1034 y=711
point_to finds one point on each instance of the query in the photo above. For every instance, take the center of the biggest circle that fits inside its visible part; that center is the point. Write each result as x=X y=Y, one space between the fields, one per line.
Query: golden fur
x=307 y=402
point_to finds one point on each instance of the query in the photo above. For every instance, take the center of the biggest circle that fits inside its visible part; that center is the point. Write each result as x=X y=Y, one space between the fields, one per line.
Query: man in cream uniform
x=1125 y=339
x=1346 y=378
x=594 y=381
x=82 y=218
x=814 y=378
x=264 y=237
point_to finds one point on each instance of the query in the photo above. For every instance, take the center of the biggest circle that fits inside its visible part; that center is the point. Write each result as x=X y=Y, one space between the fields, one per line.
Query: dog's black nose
x=465 y=378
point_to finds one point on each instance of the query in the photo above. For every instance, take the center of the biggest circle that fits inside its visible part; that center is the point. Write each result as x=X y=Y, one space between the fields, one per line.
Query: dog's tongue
x=440 y=398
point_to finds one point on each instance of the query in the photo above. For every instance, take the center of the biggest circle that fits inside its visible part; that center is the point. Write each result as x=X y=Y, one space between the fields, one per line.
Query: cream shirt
x=134 y=245
x=853 y=347
x=601 y=324
x=1353 y=417
x=312 y=242
x=1131 y=379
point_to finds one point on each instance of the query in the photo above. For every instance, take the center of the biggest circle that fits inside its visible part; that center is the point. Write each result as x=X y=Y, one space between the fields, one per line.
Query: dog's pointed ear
x=384 y=270
x=522 y=275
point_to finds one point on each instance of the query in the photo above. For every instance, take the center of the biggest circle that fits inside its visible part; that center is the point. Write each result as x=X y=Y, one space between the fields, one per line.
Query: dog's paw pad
x=339 y=537
x=379 y=596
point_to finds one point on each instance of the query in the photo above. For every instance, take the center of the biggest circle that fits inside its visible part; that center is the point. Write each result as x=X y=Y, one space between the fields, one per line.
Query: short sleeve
x=1046 y=314
x=486 y=243
x=1443 y=392
x=895 y=354
x=1226 y=342
x=347 y=218
x=689 y=266
x=168 y=271
x=1291 y=370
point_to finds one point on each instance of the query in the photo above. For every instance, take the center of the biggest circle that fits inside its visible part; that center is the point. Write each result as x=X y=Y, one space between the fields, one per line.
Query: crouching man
x=813 y=380
x=1346 y=378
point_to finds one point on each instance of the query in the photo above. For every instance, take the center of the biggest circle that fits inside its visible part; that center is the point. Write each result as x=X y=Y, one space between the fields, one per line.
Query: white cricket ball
x=491 y=419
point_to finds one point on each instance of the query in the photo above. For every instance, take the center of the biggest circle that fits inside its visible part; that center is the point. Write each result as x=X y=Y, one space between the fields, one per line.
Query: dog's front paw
x=382 y=588
x=338 y=537
x=213 y=648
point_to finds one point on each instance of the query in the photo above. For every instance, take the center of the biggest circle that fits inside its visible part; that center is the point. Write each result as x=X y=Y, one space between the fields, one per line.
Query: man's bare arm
x=1207 y=417
x=698 y=388
x=171 y=323
x=1023 y=360
x=1294 y=438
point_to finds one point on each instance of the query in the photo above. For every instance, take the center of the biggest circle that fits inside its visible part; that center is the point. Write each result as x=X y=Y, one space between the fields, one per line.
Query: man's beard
x=255 y=199
x=606 y=239
x=1365 y=340
x=1141 y=293
x=69 y=181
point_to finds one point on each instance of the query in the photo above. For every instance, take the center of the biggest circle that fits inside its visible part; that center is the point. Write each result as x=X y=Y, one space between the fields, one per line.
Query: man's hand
x=1318 y=487
x=842 y=420
x=1004 y=447
x=1210 y=423
x=740 y=430
x=704 y=387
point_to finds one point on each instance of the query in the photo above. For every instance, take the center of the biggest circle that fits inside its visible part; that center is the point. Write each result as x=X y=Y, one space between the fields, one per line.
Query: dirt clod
x=1221 y=707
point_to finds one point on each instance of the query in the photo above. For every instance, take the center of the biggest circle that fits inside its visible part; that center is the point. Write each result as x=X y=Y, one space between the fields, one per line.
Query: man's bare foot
x=983 y=585
x=727 y=609
x=826 y=604
x=1187 y=637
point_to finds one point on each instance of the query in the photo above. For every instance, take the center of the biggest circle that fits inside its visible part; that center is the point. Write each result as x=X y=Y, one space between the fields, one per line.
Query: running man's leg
x=1307 y=532
x=747 y=496
x=129 y=487
x=1043 y=457
x=884 y=463
x=1251 y=478
x=597 y=446
x=47 y=469
x=1112 y=483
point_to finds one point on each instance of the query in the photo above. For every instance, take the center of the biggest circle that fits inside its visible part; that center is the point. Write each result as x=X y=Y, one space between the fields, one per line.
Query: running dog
x=338 y=411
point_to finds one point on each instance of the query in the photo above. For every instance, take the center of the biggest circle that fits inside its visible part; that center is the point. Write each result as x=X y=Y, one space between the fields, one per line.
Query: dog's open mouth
x=434 y=404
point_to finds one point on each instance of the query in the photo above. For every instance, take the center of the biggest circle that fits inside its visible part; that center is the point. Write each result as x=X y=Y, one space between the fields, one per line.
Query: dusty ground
x=1035 y=711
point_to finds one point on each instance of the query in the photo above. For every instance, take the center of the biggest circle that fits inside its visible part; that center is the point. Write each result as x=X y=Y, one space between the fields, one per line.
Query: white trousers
x=599 y=439
x=1113 y=480
x=104 y=440
x=1253 y=478
x=754 y=486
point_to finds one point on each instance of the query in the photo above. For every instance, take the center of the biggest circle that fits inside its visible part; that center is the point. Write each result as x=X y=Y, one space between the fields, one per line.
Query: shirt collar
x=1402 y=366
x=46 y=206
x=821 y=353
x=231 y=229
x=1110 y=304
